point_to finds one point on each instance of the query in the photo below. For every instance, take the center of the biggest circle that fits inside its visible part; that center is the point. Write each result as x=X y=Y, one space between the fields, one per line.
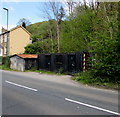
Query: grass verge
x=87 y=78
x=3 y=67
x=45 y=72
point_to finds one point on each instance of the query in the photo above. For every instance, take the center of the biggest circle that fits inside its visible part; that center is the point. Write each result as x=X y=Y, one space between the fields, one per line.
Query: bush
x=3 y=61
x=89 y=78
x=85 y=77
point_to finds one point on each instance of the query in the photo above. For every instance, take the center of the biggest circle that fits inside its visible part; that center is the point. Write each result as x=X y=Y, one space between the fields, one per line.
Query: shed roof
x=26 y=55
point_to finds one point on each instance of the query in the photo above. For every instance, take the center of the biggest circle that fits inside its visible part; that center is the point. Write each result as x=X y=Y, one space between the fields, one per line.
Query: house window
x=5 y=50
x=30 y=41
x=1 y=52
x=5 y=38
x=1 y=39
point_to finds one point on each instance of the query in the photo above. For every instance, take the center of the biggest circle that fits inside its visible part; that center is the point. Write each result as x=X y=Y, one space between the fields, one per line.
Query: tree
x=77 y=31
x=54 y=12
x=95 y=29
x=70 y=5
x=105 y=42
x=58 y=13
x=23 y=22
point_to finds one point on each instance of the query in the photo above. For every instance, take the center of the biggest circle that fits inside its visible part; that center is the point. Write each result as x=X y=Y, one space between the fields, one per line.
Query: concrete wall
x=17 y=63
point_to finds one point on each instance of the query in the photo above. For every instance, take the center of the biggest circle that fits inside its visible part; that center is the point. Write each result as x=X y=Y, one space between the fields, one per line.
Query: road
x=28 y=93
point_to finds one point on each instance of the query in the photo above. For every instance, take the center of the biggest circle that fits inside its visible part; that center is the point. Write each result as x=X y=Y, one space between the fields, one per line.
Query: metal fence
x=61 y=62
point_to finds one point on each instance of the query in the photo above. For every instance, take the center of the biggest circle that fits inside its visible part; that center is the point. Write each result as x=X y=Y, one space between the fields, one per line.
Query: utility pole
x=7 y=59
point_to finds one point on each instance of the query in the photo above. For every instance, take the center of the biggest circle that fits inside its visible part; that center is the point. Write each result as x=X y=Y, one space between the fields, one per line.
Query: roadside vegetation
x=46 y=72
x=4 y=67
x=100 y=82
x=89 y=27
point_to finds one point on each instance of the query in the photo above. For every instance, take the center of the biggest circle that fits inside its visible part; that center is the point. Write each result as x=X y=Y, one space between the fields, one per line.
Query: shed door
x=48 y=62
x=71 y=63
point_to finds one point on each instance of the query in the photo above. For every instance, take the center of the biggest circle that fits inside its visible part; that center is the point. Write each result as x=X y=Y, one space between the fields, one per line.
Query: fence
x=62 y=62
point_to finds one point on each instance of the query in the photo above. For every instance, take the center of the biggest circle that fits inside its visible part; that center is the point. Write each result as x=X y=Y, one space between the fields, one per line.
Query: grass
x=45 y=72
x=87 y=78
x=3 y=67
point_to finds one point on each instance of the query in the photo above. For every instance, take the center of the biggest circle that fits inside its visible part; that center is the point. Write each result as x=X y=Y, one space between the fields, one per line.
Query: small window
x=5 y=38
x=0 y=51
x=5 y=50
x=1 y=39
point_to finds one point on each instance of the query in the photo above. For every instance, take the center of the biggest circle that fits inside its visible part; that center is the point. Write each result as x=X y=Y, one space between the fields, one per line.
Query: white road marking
x=95 y=107
x=20 y=85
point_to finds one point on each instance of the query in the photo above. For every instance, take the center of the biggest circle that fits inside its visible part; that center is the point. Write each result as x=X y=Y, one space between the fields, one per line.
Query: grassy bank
x=87 y=78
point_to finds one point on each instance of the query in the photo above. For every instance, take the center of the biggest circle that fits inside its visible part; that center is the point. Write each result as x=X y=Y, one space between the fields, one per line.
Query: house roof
x=14 y=29
x=20 y=27
x=26 y=55
x=4 y=33
x=3 y=30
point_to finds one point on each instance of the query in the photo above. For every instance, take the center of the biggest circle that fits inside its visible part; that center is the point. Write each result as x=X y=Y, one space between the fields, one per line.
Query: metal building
x=24 y=62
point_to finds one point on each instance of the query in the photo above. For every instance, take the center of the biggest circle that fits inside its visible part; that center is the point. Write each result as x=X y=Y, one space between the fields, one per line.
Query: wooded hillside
x=89 y=27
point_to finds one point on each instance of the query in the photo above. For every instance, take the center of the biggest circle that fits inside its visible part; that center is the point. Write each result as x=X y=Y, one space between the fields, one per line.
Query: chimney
x=3 y=30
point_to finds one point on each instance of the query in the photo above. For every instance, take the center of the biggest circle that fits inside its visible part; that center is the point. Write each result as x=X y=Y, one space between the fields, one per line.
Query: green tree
x=77 y=32
x=105 y=43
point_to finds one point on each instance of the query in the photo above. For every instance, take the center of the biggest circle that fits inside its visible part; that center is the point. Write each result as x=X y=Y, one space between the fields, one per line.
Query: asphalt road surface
x=28 y=93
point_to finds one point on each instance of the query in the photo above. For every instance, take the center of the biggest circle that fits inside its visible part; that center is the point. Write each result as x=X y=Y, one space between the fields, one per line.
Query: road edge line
x=91 y=106
x=25 y=87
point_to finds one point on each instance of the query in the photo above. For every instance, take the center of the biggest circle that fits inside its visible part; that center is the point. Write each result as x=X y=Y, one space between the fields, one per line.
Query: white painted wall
x=17 y=63
x=1 y=52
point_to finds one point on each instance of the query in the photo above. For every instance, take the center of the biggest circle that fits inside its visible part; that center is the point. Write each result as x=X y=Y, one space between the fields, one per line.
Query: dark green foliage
x=41 y=30
x=5 y=61
x=39 y=47
x=105 y=44
x=86 y=29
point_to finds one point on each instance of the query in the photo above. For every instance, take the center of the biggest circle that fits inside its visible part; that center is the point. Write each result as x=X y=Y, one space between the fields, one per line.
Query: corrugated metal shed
x=23 y=62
